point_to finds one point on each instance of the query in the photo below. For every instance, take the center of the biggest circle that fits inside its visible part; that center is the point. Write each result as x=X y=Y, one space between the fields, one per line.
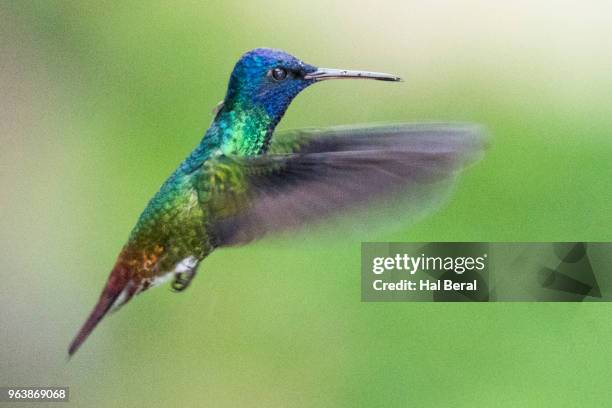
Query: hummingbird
x=245 y=180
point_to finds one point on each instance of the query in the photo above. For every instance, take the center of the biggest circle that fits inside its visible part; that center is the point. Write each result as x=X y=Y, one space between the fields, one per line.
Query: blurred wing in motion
x=311 y=174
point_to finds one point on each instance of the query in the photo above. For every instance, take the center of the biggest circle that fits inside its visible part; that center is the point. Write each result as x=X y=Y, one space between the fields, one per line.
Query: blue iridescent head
x=270 y=79
x=267 y=78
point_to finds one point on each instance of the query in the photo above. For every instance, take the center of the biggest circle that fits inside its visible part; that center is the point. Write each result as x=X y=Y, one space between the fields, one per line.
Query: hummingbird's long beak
x=322 y=74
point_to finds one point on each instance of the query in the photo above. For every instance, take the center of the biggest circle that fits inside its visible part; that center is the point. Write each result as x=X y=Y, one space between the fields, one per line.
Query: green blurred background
x=99 y=101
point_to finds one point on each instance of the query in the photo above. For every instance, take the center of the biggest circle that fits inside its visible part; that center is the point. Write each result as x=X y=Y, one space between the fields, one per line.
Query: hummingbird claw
x=182 y=280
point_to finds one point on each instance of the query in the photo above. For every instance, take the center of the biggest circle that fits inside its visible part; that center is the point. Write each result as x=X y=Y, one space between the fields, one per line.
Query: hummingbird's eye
x=279 y=74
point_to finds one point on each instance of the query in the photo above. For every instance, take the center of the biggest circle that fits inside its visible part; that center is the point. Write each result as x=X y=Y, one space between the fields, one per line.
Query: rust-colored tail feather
x=116 y=286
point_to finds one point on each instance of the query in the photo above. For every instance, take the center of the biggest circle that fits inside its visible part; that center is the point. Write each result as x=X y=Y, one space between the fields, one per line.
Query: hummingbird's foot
x=182 y=280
